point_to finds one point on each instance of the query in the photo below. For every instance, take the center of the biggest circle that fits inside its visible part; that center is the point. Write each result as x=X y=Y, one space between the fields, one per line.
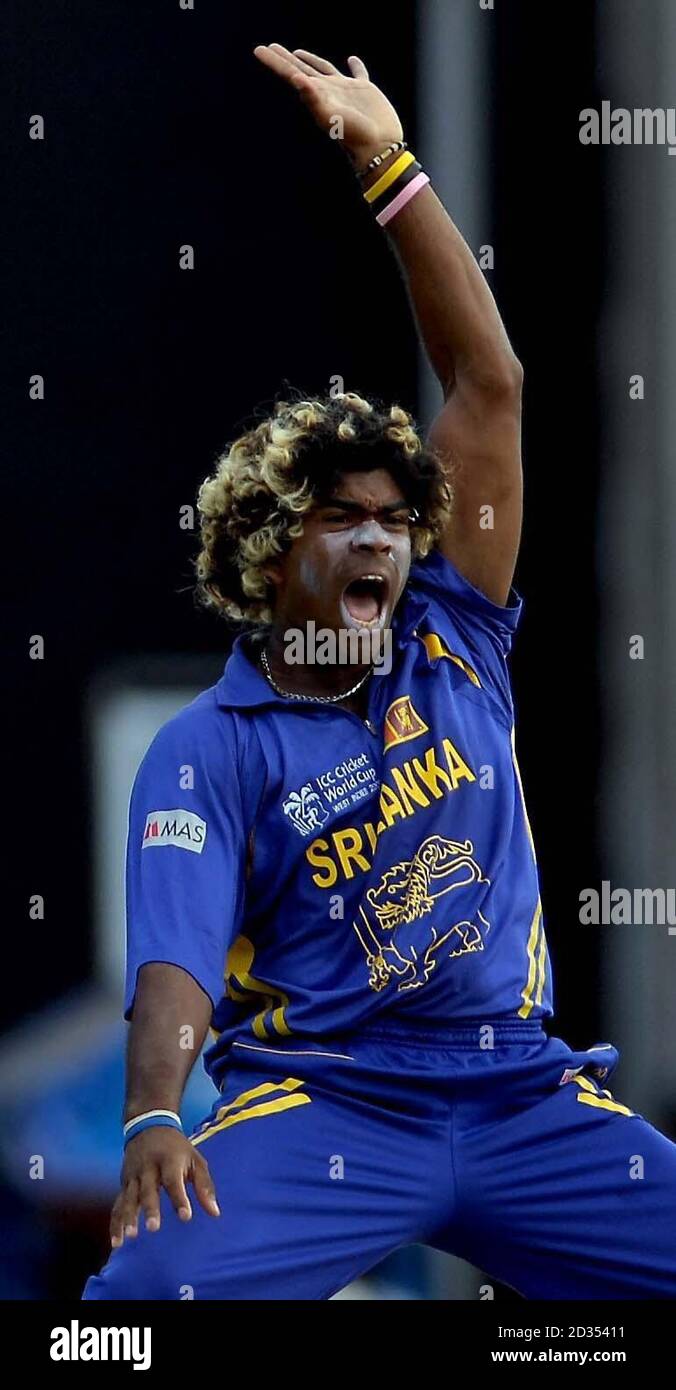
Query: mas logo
x=181 y=828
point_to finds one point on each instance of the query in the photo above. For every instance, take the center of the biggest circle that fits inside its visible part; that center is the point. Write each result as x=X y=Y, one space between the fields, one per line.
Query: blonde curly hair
x=252 y=506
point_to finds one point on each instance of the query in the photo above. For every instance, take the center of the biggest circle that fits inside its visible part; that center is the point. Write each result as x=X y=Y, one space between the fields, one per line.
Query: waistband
x=466 y=1034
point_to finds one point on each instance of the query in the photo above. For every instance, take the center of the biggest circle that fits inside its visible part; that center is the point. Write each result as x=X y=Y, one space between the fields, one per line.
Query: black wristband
x=385 y=198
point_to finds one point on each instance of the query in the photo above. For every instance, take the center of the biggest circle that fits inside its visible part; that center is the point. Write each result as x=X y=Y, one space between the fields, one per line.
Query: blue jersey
x=315 y=871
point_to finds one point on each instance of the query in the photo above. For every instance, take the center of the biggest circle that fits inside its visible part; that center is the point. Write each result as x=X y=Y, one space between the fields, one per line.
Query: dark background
x=161 y=129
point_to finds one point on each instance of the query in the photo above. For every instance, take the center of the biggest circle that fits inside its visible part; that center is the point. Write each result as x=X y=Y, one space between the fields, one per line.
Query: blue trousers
x=490 y=1141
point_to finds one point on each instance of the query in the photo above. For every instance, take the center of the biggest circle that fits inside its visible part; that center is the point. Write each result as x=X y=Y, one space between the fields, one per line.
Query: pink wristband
x=402 y=199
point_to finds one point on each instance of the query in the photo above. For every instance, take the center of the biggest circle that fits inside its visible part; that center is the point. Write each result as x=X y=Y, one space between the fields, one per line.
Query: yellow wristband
x=389 y=176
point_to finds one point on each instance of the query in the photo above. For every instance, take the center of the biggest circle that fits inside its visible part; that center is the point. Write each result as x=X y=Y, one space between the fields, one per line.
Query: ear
x=273 y=572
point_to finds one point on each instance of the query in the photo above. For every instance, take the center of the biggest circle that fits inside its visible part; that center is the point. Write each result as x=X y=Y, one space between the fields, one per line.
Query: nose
x=369 y=535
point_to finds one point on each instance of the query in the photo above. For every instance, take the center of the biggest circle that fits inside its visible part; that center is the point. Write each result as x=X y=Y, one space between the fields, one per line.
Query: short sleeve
x=467 y=617
x=185 y=852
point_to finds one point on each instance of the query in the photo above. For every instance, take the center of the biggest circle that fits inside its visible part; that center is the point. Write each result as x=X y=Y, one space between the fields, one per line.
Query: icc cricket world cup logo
x=391 y=924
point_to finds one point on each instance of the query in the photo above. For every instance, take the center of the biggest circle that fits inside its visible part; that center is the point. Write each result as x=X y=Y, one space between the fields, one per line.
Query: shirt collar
x=243 y=685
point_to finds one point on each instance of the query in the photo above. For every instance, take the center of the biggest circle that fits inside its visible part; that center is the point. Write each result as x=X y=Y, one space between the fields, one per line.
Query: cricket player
x=330 y=864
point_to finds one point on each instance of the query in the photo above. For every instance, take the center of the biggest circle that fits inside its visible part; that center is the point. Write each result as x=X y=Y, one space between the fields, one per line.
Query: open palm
x=353 y=105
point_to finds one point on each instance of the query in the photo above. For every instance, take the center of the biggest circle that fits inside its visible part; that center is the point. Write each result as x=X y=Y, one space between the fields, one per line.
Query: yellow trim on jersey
x=542 y=963
x=523 y=799
x=436 y=647
x=533 y=966
x=276 y=1013
x=536 y=953
x=224 y=1117
x=238 y=965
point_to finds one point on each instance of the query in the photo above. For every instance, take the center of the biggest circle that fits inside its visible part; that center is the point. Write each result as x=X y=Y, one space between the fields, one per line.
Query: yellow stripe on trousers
x=224 y=1117
x=604 y=1101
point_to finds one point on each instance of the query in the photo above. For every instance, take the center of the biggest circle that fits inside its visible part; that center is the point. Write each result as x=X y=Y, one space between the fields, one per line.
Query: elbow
x=503 y=380
x=496 y=379
x=516 y=374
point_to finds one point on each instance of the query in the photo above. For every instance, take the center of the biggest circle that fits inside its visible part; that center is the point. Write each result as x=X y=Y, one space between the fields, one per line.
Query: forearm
x=456 y=314
x=161 y=1052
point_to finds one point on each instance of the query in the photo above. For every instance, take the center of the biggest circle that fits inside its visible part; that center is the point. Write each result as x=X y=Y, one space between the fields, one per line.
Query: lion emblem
x=391 y=926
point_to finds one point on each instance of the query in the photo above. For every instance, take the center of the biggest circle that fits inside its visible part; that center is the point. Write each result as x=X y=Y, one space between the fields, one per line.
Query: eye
x=395 y=521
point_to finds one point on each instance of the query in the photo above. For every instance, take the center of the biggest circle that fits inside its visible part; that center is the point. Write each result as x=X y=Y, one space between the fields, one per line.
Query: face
x=349 y=567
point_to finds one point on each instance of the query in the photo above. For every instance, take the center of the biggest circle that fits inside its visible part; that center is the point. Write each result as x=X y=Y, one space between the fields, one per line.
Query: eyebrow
x=349 y=506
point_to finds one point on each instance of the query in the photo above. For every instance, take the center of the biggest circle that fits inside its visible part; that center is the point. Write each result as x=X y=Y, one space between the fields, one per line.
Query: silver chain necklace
x=292 y=695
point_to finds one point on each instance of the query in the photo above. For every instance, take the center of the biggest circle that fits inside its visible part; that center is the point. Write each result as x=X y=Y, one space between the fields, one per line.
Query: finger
x=124 y=1212
x=150 y=1199
x=204 y=1188
x=173 y=1181
x=278 y=64
x=130 y=1209
x=357 y=68
x=316 y=63
x=116 y=1226
x=293 y=59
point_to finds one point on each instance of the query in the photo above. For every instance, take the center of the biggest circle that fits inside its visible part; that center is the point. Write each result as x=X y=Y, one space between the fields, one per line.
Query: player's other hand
x=159 y=1157
x=367 y=122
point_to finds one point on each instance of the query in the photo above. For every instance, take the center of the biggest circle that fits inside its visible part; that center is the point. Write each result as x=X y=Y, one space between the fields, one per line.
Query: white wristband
x=152 y=1114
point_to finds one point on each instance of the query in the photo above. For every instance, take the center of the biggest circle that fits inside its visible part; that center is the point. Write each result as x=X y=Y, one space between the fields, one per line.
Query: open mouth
x=364 y=599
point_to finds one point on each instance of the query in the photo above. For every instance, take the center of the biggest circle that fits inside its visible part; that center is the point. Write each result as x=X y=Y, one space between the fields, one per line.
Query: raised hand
x=366 y=121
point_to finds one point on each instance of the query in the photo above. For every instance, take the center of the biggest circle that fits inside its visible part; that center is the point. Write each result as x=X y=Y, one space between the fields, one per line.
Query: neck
x=315 y=679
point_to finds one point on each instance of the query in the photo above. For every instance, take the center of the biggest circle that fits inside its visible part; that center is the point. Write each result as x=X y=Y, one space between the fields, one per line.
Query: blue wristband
x=156 y=1117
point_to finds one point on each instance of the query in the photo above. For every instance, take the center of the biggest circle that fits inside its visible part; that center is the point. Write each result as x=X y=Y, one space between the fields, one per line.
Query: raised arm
x=477 y=433
x=478 y=430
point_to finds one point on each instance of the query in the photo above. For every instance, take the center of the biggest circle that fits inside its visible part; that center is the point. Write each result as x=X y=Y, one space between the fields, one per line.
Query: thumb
x=357 y=68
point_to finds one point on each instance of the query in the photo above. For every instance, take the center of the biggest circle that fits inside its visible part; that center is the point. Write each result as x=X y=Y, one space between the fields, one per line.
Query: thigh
x=313 y=1190
x=572 y=1198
